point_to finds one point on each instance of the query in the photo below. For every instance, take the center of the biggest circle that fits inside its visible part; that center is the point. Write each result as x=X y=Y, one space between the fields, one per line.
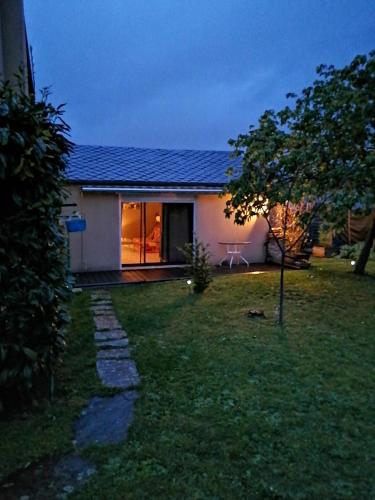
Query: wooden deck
x=111 y=278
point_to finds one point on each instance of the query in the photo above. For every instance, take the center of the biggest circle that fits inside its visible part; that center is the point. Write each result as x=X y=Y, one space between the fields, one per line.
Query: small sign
x=75 y=225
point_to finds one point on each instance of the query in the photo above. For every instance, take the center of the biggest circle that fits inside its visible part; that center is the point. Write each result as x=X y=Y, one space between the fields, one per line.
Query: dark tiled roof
x=125 y=165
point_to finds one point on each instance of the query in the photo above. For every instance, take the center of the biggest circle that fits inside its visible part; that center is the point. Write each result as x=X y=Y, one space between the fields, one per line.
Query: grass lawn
x=47 y=430
x=231 y=407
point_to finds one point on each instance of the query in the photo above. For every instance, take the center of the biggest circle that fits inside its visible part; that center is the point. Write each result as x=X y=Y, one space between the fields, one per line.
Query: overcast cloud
x=185 y=74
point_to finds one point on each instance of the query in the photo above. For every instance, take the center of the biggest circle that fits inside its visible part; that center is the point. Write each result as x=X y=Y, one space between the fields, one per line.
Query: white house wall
x=13 y=46
x=212 y=227
x=98 y=248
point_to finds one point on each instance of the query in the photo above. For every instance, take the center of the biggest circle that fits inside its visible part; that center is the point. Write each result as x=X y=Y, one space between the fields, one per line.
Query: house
x=14 y=51
x=142 y=205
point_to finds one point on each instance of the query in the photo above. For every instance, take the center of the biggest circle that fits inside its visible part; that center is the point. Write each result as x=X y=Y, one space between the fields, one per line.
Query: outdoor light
x=188 y=282
x=353 y=262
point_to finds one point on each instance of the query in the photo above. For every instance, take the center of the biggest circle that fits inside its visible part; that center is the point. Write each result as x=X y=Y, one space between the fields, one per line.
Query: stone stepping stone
x=95 y=305
x=47 y=478
x=119 y=353
x=105 y=420
x=102 y=303
x=73 y=470
x=102 y=311
x=117 y=373
x=106 y=323
x=103 y=314
x=101 y=307
x=109 y=344
x=110 y=335
x=97 y=296
x=109 y=315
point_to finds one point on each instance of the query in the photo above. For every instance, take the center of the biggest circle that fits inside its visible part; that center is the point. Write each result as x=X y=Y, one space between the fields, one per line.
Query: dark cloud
x=186 y=73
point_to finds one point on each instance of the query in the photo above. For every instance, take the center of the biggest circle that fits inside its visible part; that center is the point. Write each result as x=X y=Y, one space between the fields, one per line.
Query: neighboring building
x=14 y=53
x=141 y=205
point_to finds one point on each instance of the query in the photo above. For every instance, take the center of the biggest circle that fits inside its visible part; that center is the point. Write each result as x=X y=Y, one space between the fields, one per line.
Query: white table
x=234 y=250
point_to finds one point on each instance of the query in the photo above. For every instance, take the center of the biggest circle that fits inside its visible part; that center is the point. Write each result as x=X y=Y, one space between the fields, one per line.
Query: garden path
x=104 y=420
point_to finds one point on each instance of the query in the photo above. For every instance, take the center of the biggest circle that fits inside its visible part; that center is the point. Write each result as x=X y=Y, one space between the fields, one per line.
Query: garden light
x=188 y=282
x=353 y=262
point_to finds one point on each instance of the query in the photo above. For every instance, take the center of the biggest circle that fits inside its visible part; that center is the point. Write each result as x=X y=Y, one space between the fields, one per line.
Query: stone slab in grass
x=105 y=420
x=74 y=471
x=106 y=306
x=100 y=296
x=109 y=344
x=99 y=305
x=104 y=299
x=110 y=335
x=119 y=353
x=47 y=478
x=106 y=322
x=101 y=312
x=117 y=373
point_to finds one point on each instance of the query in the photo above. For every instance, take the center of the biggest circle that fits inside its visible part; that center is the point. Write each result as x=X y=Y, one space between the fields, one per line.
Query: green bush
x=33 y=257
x=350 y=251
x=197 y=257
x=353 y=252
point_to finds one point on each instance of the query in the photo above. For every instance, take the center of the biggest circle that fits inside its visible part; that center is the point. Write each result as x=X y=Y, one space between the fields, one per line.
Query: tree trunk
x=281 y=298
x=365 y=253
x=281 y=291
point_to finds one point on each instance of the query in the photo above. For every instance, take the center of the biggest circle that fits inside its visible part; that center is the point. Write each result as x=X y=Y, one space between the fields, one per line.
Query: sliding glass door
x=151 y=233
x=177 y=230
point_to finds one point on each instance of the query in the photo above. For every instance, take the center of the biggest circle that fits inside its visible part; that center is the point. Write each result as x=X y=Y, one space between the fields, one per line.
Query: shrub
x=353 y=252
x=350 y=251
x=197 y=257
x=33 y=257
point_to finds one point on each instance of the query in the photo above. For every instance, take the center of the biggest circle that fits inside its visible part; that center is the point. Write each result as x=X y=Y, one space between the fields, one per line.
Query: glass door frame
x=150 y=199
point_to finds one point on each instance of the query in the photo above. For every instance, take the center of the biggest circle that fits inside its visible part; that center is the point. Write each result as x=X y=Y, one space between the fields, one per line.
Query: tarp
x=358 y=227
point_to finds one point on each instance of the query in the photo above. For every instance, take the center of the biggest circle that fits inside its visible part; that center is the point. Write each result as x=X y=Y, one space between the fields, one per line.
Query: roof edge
x=85 y=182
x=152 y=190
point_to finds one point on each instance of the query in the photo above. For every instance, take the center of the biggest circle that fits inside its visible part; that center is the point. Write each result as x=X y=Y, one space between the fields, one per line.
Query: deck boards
x=111 y=278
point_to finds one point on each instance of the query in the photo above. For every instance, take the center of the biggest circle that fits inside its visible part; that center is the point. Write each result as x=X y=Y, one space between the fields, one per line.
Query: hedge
x=34 y=283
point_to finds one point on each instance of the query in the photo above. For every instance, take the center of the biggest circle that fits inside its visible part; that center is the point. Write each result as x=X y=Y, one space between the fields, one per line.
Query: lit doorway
x=153 y=233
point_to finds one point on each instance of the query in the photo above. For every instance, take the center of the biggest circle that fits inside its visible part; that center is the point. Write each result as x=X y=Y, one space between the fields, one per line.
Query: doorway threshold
x=156 y=266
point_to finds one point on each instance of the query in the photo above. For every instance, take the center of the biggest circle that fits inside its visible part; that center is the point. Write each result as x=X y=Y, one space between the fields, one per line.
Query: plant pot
x=318 y=251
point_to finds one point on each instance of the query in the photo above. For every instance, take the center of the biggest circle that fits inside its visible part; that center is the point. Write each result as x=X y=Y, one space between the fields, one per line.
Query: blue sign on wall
x=75 y=225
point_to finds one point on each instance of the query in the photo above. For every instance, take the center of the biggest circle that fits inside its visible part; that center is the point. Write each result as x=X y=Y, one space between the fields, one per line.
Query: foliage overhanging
x=320 y=150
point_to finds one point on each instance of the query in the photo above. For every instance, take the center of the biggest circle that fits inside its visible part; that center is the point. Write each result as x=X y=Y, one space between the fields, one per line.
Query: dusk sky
x=185 y=74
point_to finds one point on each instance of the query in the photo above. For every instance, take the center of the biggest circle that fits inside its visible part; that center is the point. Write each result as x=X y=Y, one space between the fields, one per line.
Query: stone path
x=105 y=420
x=48 y=478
